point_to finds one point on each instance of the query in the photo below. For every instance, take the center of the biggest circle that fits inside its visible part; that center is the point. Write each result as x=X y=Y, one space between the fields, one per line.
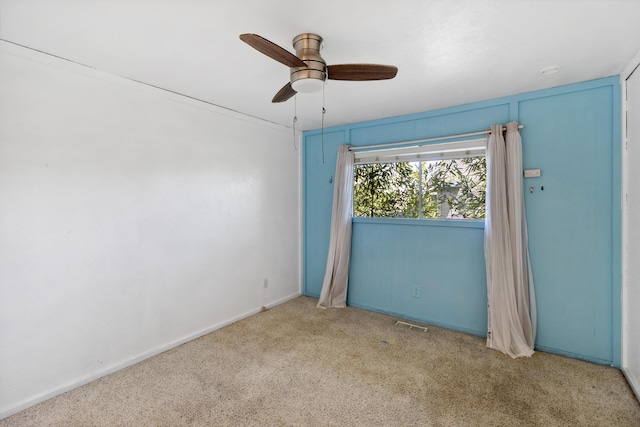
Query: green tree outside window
x=445 y=189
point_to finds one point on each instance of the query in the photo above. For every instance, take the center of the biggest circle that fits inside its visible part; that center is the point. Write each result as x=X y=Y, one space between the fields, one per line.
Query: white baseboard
x=633 y=381
x=21 y=406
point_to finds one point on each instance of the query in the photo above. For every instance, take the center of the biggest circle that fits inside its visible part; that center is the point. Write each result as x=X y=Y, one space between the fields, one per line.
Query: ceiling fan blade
x=284 y=94
x=361 y=72
x=272 y=50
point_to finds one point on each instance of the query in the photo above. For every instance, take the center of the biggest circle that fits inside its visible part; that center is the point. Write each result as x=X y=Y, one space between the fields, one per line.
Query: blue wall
x=571 y=133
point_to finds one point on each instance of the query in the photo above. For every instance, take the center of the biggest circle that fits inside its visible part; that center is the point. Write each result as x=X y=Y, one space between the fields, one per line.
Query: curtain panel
x=511 y=316
x=336 y=277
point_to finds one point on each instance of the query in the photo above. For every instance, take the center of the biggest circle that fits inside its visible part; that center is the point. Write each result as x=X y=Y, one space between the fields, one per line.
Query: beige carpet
x=295 y=365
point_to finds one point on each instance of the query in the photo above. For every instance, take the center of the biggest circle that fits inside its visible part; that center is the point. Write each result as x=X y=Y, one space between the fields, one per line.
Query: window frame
x=421 y=153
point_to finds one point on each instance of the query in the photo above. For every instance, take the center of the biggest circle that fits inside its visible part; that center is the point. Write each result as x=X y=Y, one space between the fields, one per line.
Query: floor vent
x=411 y=325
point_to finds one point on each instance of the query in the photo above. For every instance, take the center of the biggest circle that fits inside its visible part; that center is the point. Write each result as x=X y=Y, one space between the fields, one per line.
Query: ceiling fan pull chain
x=323 y=112
x=322 y=126
x=295 y=119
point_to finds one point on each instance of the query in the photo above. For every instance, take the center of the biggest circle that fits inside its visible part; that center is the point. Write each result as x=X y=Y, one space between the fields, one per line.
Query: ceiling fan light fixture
x=309 y=85
x=308 y=70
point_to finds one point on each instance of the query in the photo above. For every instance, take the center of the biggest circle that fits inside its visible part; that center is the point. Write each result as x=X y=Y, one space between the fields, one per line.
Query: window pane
x=453 y=189
x=386 y=190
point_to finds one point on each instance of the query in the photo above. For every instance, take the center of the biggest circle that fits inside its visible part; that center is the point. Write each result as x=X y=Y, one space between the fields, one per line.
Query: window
x=432 y=181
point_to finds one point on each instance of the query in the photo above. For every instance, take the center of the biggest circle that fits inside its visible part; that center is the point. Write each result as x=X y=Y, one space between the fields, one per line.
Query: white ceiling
x=448 y=52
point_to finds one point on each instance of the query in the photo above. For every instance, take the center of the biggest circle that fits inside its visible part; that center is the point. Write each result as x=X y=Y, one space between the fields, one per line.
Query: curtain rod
x=417 y=141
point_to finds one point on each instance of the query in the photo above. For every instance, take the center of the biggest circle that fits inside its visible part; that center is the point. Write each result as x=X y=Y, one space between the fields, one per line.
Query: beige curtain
x=510 y=288
x=336 y=277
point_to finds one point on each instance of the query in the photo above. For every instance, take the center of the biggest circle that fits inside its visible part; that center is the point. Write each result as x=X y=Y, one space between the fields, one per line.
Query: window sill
x=424 y=222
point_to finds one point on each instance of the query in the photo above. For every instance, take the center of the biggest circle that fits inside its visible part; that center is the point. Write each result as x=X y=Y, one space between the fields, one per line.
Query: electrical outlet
x=416 y=292
x=532 y=173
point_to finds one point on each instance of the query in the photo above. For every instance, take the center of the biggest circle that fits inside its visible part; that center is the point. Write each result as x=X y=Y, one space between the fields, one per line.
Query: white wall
x=131 y=220
x=631 y=231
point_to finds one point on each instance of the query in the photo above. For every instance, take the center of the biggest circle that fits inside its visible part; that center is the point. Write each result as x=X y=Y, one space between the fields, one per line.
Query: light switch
x=532 y=173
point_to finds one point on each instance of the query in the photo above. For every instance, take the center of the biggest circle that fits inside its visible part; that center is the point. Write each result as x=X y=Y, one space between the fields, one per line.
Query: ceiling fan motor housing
x=312 y=77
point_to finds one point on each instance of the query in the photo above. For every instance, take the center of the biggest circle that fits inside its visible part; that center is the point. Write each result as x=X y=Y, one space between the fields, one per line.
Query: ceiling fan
x=308 y=69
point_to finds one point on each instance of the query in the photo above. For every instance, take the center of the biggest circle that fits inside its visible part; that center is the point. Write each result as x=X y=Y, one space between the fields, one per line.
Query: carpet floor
x=295 y=365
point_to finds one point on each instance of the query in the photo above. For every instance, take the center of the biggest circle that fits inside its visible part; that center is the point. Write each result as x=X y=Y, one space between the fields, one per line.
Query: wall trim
x=633 y=382
x=44 y=58
x=71 y=385
x=632 y=67
x=507 y=100
x=442 y=325
x=552 y=350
